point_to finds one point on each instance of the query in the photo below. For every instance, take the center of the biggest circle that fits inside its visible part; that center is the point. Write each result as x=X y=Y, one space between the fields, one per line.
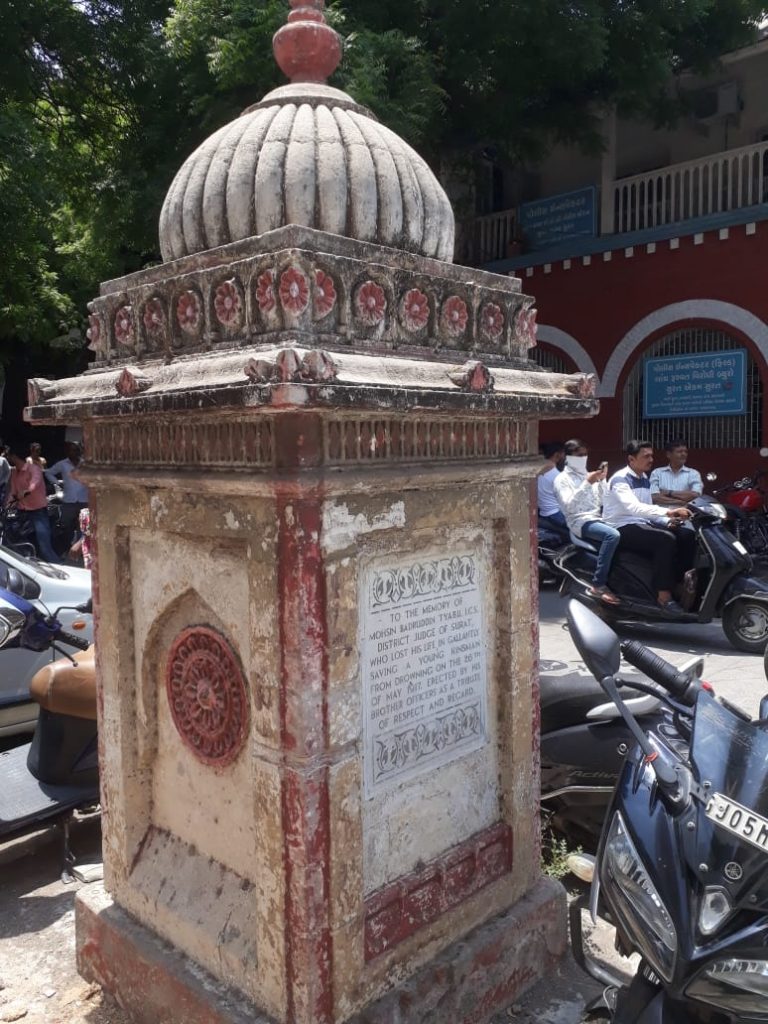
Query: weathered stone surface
x=471 y=980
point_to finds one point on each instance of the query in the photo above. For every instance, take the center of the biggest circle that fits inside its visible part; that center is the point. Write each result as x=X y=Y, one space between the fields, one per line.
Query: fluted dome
x=306 y=155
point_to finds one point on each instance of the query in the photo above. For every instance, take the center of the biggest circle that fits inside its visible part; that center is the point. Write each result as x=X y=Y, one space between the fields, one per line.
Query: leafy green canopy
x=101 y=100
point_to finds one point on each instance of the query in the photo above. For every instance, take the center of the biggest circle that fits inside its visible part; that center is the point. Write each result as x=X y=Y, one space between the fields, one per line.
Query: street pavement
x=38 y=980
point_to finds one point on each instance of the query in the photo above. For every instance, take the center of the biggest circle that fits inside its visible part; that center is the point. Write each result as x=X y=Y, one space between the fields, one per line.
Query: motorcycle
x=584 y=743
x=16 y=532
x=747 y=504
x=54 y=780
x=681 y=868
x=720 y=585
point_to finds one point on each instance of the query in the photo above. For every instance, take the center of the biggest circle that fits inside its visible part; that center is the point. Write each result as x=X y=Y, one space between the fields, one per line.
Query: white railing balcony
x=490 y=237
x=726 y=181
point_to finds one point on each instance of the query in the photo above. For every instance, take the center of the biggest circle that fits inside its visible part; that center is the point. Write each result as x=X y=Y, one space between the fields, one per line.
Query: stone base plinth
x=466 y=984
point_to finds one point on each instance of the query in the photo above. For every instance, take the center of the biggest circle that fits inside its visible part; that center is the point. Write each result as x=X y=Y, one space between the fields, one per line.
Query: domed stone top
x=308 y=155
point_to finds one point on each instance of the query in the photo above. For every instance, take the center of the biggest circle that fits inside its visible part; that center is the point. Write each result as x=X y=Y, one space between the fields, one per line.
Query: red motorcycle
x=747 y=504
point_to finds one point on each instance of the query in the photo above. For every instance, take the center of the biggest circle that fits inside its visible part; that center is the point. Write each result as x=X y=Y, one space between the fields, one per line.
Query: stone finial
x=307 y=49
x=132 y=382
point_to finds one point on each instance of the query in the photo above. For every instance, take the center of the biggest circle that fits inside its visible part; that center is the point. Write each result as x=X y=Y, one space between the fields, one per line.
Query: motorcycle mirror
x=595 y=641
x=711 y=477
x=12 y=619
x=764 y=453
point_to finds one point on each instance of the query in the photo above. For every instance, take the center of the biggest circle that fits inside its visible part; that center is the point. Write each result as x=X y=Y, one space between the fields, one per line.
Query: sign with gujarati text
x=423 y=666
x=547 y=222
x=701 y=384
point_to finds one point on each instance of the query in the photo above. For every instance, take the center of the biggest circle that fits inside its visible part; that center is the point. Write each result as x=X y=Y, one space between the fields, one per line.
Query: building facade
x=646 y=266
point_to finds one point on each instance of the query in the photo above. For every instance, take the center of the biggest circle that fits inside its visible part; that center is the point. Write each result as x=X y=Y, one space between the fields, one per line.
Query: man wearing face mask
x=580 y=497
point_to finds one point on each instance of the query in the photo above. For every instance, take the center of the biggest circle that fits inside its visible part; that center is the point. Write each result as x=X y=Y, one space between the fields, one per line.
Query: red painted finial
x=307 y=49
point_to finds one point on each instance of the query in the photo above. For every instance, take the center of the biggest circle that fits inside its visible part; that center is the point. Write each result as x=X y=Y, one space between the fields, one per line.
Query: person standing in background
x=36 y=455
x=549 y=510
x=27 y=486
x=75 y=493
x=675 y=484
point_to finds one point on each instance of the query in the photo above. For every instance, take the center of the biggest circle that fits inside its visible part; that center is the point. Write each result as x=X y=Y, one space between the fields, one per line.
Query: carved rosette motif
x=526 y=326
x=370 y=303
x=325 y=294
x=207 y=695
x=265 y=292
x=492 y=320
x=454 y=316
x=94 y=333
x=189 y=312
x=124 y=330
x=154 y=317
x=414 y=310
x=294 y=291
x=227 y=304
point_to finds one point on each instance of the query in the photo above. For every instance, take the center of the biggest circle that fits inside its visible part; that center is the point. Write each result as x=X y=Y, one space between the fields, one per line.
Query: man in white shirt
x=580 y=495
x=74 y=493
x=648 y=528
x=676 y=483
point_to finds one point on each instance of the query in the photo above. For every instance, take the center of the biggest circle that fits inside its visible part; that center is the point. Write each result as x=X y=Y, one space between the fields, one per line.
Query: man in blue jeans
x=27 y=487
x=580 y=497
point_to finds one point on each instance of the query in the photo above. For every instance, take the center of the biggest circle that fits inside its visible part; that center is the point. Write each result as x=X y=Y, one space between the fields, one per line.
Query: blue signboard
x=704 y=384
x=547 y=222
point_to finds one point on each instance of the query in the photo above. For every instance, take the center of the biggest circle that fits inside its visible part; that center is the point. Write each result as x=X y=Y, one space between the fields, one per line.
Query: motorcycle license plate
x=738 y=820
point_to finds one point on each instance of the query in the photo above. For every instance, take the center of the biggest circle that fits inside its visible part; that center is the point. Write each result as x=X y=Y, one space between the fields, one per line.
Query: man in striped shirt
x=675 y=484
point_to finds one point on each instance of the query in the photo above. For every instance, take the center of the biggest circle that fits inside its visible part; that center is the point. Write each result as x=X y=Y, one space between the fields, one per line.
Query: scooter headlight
x=737 y=986
x=637 y=901
x=11 y=623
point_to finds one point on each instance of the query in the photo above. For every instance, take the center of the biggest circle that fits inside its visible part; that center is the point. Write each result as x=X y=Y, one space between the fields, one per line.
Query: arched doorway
x=702 y=432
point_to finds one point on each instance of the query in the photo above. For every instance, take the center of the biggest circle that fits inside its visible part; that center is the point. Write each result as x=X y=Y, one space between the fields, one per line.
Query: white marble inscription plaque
x=423 y=666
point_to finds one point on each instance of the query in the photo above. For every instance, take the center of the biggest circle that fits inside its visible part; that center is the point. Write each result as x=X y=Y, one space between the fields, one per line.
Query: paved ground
x=38 y=981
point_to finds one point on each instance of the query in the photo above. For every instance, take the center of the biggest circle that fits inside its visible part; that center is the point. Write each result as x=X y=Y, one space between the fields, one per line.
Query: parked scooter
x=584 y=742
x=681 y=869
x=722 y=583
x=54 y=779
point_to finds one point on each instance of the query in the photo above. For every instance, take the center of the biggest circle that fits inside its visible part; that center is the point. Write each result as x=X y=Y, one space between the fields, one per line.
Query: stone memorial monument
x=311 y=443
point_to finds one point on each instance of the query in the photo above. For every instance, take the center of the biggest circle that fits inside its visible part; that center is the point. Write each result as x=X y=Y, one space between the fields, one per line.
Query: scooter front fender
x=659 y=1010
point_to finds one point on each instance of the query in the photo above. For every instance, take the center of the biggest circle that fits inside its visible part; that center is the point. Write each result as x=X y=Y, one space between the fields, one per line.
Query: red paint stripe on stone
x=400 y=909
x=304 y=731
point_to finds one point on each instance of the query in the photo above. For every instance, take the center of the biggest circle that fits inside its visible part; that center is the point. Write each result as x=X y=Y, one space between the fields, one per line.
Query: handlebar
x=680 y=685
x=73 y=640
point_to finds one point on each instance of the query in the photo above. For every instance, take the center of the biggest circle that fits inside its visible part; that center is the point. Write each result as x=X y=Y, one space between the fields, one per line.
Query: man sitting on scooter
x=580 y=496
x=647 y=528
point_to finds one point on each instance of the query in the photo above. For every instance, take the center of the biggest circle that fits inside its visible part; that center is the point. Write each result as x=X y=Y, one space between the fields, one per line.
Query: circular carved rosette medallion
x=207 y=695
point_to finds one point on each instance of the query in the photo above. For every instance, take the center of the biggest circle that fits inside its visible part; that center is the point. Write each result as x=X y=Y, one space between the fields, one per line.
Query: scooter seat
x=67 y=689
x=24 y=801
x=566 y=701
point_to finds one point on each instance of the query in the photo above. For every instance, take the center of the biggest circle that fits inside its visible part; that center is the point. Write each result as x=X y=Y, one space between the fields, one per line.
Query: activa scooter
x=723 y=584
x=53 y=780
x=584 y=742
x=682 y=868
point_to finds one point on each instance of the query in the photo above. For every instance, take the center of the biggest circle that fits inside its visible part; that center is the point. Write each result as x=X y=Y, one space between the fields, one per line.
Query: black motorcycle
x=551 y=544
x=722 y=583
x=54 y=780
x=682 y=869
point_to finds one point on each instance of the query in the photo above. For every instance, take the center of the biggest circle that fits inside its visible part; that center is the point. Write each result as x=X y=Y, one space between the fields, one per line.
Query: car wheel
x=745 y=624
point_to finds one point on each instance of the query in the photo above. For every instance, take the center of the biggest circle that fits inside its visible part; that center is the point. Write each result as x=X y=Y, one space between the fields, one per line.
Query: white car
x=48 y=587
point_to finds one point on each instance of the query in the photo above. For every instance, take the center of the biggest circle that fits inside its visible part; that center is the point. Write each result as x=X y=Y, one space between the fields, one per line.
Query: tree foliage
x=101 y=100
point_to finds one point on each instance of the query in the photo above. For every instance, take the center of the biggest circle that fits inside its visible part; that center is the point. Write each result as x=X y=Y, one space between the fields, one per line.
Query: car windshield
x=24 y=563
